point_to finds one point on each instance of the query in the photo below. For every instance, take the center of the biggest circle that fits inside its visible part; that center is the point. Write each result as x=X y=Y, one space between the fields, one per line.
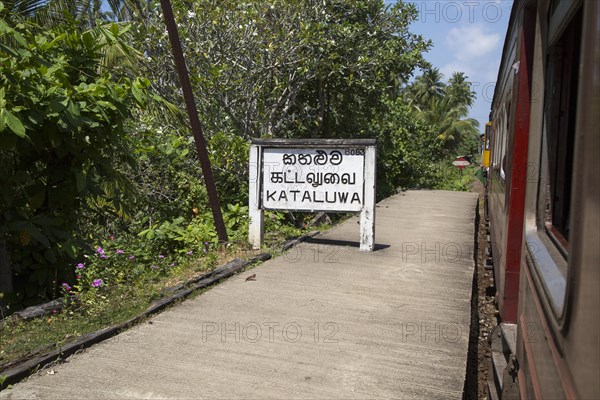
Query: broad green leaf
x=15 y=124
x=138 y=94
x=3 y=121
x=73 y=108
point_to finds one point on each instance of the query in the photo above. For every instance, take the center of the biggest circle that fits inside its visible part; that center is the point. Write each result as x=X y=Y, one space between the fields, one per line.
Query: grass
x=25 y=339
x=22 y=338
x=452 y=178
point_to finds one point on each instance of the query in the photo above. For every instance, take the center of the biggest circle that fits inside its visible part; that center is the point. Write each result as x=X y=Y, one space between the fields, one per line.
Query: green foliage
x=287 y=68
x=449 y=177
x=444 y=106
x=180 y=236
x=61 y=136
x=407 y=151
x=277 y=227
x=229 y=159
x=93 y=157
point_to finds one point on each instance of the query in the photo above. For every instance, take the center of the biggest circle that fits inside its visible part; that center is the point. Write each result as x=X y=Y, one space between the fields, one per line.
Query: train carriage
x=544 y=204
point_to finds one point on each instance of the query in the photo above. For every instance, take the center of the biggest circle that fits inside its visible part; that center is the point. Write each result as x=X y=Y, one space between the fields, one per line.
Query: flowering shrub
x=62 y=135
x=112 y=266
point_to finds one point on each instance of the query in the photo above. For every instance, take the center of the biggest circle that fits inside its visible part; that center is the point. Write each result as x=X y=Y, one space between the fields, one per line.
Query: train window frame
x=560 y=14
x=547 y=251
x=506 y=128
x=500 y=141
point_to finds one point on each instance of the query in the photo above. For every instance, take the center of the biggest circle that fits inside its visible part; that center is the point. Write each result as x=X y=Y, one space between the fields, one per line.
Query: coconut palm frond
x=22 y=9
x=118 y=52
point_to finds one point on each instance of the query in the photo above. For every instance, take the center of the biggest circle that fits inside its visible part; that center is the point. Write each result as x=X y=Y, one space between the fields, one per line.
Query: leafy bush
x=61 y=138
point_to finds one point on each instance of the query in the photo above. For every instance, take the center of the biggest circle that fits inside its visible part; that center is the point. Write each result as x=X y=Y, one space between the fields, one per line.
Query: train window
x=548 y=215
x=561 y=106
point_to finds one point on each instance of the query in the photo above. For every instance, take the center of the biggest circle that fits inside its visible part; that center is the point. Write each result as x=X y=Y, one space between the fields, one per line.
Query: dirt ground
x=486 y=309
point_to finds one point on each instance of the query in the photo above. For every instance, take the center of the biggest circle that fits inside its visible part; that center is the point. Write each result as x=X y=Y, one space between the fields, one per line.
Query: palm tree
x=50 y=13
x=459 y=89
x=448 y=120
x=428 y=86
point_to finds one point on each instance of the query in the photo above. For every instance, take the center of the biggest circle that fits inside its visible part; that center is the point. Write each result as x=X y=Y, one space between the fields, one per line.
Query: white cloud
x=469 y=41
x=471 y=48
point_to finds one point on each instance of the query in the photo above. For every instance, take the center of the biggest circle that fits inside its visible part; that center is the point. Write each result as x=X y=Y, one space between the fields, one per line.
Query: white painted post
x=256 y=228
x=367 y=214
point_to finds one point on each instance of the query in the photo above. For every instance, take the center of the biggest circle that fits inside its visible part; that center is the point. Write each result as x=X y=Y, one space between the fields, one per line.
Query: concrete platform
x=323 y=321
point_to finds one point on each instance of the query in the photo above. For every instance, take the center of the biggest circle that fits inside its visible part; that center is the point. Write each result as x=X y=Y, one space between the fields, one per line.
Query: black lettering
x=295 y=193
x=320 y=158
x=285 y=177
x=283 y=196
x=346 y=178
x=335 y=157
x=276 y=177
x=289 y=159
x=355 y=197
x=315 y=198
x=271 y=196
x=306 y=196
x=304 y=159
x=343 y=196
x=327 y=197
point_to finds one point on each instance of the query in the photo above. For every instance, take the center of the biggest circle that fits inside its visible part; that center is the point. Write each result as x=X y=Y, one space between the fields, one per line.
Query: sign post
x=330 y=175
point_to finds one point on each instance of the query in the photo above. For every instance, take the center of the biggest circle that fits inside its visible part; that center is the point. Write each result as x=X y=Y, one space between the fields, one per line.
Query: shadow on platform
x=348 y=243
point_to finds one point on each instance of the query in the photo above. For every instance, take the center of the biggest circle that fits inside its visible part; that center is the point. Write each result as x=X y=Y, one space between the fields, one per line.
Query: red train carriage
x=544 y=203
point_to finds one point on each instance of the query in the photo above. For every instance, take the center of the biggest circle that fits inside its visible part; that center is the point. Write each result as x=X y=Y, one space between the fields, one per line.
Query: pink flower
x=66 y=286
x=80 y=266
x=100 y=250
x=119 y=251
x=161 y=256
x=97 y=283
x=153 y=267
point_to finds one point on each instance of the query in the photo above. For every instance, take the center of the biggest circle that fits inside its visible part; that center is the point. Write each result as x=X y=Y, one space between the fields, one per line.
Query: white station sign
x=327 y=179
x=332 y=175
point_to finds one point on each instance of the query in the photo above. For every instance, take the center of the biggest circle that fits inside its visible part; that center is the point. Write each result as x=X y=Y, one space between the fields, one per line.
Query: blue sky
x=467 y=36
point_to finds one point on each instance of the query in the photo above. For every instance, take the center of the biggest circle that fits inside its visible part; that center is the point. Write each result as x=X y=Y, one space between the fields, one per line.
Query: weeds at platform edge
x=23 y=340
